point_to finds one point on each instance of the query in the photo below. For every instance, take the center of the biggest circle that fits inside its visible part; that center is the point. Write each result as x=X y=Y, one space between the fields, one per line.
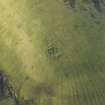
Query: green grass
x=7 y=102
x=29 y=27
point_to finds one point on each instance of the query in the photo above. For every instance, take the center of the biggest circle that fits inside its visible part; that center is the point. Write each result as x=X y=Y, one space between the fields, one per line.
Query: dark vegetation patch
x=98 y=4
x=53 y=51
x=70 y=2
x=44 y=89
x=97 y=22
x=76 y=26
x=66 y=72
x=92 y=15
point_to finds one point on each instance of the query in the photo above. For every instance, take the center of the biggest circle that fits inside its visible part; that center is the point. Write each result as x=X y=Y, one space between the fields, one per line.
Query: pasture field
x=54 y=53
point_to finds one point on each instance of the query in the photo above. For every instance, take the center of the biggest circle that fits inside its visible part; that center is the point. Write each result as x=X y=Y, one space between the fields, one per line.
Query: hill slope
x=56 y=53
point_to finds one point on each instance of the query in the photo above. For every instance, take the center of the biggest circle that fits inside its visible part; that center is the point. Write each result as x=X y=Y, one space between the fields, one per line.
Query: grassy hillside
x=54 y=51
